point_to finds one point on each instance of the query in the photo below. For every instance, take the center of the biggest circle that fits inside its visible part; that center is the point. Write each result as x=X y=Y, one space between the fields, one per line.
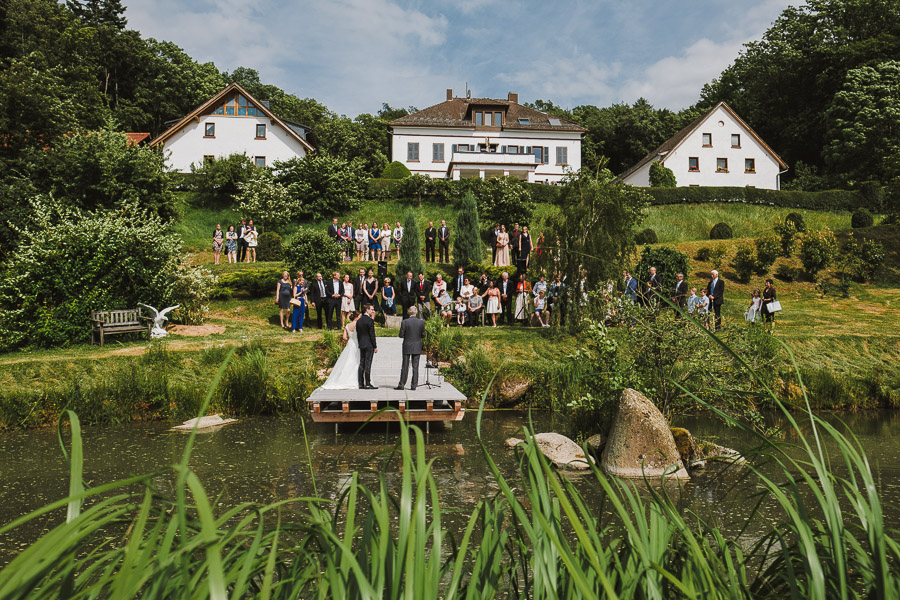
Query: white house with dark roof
x=484 y=137
x=718 y=149
x=232 y=122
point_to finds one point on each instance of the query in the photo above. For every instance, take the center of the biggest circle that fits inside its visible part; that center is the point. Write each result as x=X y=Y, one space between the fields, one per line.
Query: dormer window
x=238 y=105
x=486 y=118
x=524 y=121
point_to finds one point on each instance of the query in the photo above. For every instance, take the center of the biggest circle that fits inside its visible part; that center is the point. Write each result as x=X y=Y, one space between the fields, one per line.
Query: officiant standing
x=411 y=331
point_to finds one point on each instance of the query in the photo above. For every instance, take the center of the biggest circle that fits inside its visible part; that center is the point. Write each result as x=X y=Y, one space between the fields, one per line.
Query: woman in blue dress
x=387 y=298
x=299 y=309
x=374 y=242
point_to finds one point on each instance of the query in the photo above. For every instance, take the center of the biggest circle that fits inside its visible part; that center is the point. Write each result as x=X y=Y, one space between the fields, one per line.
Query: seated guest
x=475 y=306
x=460 y=311
x=539 y=285
x=388 y=305
x=540 y=309
x=439 y=287
x=444 y=304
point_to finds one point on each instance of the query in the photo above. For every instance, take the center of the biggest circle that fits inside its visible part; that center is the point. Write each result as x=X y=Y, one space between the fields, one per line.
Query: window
x=749 y=165
x=437 y=152
x=412 y=151
x=693 y=163
x=562 y=155
x=260 y=131
x=208 y=158
x=524 y=121
x=512 y=149
x=707 y=140
x=498 y=119
x=735 y=140
x=541 y=154
x=462 y=148
x=237 y=104
x=260 y=161
x=721 y=165
x=478 y=119
x=555 y=122
x=487 y=119
x=210 y=130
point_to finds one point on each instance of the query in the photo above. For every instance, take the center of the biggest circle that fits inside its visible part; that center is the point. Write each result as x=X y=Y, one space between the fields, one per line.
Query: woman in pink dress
x=502 y=258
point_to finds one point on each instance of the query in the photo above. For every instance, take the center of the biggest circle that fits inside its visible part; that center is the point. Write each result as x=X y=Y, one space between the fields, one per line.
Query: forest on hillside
x=822 y=87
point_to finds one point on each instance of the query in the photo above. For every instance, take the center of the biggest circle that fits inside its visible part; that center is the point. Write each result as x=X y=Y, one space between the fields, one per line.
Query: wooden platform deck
x=442 y=402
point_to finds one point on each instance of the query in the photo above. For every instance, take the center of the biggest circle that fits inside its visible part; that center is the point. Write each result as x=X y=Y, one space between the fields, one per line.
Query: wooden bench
x=111 y=322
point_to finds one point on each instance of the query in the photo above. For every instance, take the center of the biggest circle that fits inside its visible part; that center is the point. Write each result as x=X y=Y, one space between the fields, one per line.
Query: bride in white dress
x=345 y=374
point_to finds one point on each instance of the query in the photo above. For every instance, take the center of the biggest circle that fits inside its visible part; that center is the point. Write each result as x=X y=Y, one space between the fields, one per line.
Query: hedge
x=827 y=200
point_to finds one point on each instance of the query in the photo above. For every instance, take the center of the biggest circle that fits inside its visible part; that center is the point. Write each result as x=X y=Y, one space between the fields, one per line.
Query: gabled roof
x=666 y=148
x=455 y=113
x=136 y=138
x=214 y=101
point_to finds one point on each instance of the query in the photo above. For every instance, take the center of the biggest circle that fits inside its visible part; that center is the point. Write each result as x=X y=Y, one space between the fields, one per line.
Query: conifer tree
x=410 y=249
x=467 y=249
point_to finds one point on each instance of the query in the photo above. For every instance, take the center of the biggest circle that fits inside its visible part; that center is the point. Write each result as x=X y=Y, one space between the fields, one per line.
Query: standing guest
x=495 y=233
x=459 y=281
x=467 y=290
x=444 y=238
x=540 y=309
x=654 y=284
x=358 y=283
x=525 y=246
x=703 y=308
x=475 y=306
x=343 y=238
x=318 y=298
x=347 y=305
x=505 y=287
x=539 y=245
x=398 y=238
x=501 y=258
x=334 y=231
x=752 y=315
x=252 y=237
x=692 y=301
x=283 y=295
x=716 y=292
x=387 y=298
x=483 y=283
x=493 y=302
x=630 y=283
x=514 y=244
x=299 y=316
x=407 y=293
x=430 y=236
x=557 y=299
x=335 y=291
x=423 y=290
x=370 y=290
x=768 y=296
x=374 y=242
x=523 y=291
x=439 y=288
x=218 y=242
x=349 y=239
x=242 y=241
x=231 y=244
x=362 y=242
x=679 y=294
x=385 y=242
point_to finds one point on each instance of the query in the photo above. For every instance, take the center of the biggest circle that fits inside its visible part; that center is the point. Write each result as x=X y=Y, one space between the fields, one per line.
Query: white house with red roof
x=718 y=149
x=484 y=137
x=232 y=122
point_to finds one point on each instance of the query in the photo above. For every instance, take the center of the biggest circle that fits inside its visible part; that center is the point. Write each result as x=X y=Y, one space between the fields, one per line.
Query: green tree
x=221 y=179
x=661 y=176
x=505 y=200
x=411 y=249
x=817 y=250
x=321 y=186
x=668 y=262
x=467 y=249
x=266 y=201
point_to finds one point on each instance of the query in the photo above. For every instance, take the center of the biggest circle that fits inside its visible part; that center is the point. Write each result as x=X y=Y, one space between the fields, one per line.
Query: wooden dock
x=440 y=402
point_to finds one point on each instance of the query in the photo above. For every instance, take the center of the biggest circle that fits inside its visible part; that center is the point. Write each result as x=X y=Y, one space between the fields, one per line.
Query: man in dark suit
x=679 y=293
x=318 y=299
x=358 y=284
x=365 y=334
x=411 y=331
x=458 y=282
x=430 y=237
x=630 y=283
x=335 y=290
x=407 y=293
x=507 y=291
x=334 y=231
x=654 y=284
x=423 y=292
x=493 y=241
x=444 y=238
x=241 y=241
x=716 y=293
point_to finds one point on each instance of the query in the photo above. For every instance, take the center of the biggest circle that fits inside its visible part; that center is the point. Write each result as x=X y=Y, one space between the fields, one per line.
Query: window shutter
x=503 y=149
x=546 y=154
x=453 y=148
x=527 y=149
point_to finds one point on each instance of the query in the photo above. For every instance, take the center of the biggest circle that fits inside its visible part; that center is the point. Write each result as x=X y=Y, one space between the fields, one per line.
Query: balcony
x=493 y=158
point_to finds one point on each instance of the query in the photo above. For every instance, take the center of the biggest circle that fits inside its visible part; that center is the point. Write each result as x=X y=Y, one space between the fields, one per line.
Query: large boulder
x=640 y=442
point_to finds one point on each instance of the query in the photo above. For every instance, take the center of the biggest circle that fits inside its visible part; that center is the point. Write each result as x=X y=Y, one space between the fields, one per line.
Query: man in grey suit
x=411 y=331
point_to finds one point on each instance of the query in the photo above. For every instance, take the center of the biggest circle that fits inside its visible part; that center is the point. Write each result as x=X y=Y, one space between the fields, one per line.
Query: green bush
x=221 y=178
x=247 y=387
x=395 y=170
x=647 y=236
x=542 y=193
x=720 y=231
x=817 y=250
x=744 y=262
x=411 y=249
x=661 y=176
x=717 y=255
x=827 y=200
x=266 y=201
x=768 y=248
x=321 y=186
x=797 y=219
x=703 y=253
x=787 y=273
x=861 y=218
x=269 y=247
x=505 y=200
x=860 y=260
x=787 y=235
x=256 y=283
x=312 y=251
x=668 y=262
x=873 y=195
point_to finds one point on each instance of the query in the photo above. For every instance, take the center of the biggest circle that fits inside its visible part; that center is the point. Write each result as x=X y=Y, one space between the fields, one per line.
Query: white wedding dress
x=345 y=374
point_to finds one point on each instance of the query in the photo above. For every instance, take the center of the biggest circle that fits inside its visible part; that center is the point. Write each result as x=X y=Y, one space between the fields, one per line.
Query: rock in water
x=562 y=451
x=640 y=442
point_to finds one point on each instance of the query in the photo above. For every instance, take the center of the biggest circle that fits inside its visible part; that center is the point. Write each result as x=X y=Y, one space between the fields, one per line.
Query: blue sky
x=352 y=55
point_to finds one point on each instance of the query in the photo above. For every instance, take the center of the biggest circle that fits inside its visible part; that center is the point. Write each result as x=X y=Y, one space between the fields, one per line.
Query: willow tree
x=467 y=250
x=410 y=248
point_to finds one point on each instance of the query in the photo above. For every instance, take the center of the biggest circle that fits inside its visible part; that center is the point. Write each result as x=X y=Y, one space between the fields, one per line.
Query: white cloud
x=577 y=76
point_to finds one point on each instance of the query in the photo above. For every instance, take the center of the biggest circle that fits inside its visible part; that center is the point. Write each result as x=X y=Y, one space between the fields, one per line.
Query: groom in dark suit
x=365 y=334
x=411 y=331
x=716 y=292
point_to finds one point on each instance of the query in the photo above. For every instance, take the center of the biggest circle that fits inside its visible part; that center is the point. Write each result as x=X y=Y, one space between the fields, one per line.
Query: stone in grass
x=204 y=423
x=640 y=442
x=558 y=449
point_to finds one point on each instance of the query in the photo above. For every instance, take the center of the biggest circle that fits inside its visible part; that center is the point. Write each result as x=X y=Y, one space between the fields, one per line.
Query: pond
x=265 y=459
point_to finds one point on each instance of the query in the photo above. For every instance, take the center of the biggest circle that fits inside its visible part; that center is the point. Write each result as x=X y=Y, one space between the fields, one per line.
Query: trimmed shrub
x=787 y=234
x=817 y=250
x=411 y=249
x=744 y=262
x=768 y=248
x=505 y=200
x=717 y=255
x=270 y=246
x=661 y=176
x=861 y=218
x=396 y=170
x=668 y=262
x=312 y=251
x=826 y=200
x=647 y=236
x=797 y=219
x=720 y=231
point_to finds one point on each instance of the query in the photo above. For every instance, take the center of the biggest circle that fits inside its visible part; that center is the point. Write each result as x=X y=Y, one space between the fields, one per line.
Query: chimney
x=449 y=94
x=513 y=97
